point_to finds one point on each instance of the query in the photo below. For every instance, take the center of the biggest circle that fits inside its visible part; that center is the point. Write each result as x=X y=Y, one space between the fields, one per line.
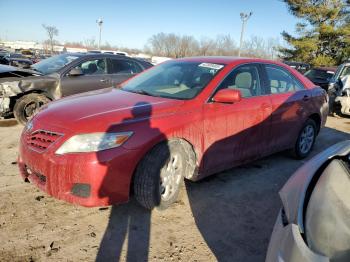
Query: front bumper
x=87 y=179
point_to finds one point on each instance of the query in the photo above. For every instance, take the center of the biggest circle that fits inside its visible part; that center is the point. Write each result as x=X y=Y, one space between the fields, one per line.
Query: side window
x=119 y=66
x=345 y=72
x=281 y=81
x=245 y=79
x=93 y=67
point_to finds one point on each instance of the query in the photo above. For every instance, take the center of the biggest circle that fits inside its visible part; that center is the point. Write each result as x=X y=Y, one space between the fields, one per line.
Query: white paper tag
x=211 y=66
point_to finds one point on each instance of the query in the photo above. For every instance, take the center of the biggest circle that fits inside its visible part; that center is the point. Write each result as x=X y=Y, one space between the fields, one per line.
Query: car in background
x=321 y=76
x=342 y=71
x=39 y=57
x=339 y=91
x=301 y=67
x=185 y=118
x=61 y=76
x=16 y=59
x=11 y=72
x=313 y=223
x=14 y=72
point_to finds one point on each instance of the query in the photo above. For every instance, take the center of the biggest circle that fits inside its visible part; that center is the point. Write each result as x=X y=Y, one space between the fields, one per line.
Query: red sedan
x=186 y=118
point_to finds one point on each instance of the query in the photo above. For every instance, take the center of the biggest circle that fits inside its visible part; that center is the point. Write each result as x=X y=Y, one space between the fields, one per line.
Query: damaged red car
x=183 y=119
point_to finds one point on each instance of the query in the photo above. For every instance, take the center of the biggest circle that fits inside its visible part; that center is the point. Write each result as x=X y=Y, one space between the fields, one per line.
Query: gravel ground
x=227 y=217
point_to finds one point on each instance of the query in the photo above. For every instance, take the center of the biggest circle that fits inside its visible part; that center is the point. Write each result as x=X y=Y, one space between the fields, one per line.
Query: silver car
x=314 y=221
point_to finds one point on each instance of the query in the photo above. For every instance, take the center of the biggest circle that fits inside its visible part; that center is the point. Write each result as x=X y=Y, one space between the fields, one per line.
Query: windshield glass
x=175 y=79
x=319 y=74
x=53 y=64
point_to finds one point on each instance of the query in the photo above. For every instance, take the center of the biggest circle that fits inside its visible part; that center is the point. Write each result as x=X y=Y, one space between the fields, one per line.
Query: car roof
x=97 y=55
x=228 y=60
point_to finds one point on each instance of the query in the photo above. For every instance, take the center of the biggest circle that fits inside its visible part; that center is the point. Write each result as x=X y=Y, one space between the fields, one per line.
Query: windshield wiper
x=141 y=92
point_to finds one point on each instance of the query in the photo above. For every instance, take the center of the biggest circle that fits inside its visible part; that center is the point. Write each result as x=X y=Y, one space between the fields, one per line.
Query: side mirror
x=75 y=72
x=227 y=95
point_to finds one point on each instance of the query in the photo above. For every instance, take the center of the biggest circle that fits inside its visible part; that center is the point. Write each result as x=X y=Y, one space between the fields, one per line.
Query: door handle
x=306 y=98
x=104 y=80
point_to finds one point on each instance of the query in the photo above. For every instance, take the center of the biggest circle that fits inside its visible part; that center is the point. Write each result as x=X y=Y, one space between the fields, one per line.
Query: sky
x=131 y=23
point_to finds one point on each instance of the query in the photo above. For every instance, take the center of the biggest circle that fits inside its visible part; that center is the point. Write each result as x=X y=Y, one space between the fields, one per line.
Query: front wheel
x=159 y=176
x=27 y=106
x=306 y=140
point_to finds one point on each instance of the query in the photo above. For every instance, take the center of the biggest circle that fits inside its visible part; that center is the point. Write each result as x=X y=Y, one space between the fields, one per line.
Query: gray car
x=61 y=76
x=314 y=222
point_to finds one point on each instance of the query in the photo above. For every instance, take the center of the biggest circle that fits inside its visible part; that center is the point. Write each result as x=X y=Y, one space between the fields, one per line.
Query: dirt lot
x=228 y=217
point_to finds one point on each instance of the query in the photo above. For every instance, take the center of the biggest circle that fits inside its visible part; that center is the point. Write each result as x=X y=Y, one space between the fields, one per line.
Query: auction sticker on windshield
x=211 y=66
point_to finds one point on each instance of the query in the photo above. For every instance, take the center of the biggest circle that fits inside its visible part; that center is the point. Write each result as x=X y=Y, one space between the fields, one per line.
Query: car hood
x=13 y=86
x=99 y=110
x=294 y=191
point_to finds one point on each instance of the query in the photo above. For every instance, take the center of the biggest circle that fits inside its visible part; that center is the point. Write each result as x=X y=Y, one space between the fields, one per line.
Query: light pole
x=99 y=22
x=244 y=18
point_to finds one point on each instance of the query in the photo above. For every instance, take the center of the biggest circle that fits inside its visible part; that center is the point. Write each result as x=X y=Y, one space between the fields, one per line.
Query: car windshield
x=53 y=64
x=319 y=74
x=175 y=79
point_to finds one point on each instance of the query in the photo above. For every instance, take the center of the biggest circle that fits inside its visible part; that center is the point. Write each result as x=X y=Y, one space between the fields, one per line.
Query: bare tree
x=172 y=45
x=90 y=43
x=51 y=32
x=206 y=46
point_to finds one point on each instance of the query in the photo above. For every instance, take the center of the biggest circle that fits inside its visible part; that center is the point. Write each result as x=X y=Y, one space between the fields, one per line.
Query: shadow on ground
x=235 y=210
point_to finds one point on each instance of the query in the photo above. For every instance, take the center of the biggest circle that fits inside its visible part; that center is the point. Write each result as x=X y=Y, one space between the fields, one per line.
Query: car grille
x=40 y=140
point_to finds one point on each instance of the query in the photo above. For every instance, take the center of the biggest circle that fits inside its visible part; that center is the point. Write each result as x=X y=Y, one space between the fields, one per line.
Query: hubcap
x=306 y=139
x=170 y=177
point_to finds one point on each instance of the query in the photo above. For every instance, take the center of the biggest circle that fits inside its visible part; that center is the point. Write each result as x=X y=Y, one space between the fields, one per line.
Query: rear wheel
x=306 y=140
x=27 y=106
x=159 y=176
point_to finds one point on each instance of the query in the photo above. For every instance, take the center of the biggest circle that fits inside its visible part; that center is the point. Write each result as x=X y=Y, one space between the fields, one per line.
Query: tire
x=306 y=140
x=160 y=175
x=26 y=107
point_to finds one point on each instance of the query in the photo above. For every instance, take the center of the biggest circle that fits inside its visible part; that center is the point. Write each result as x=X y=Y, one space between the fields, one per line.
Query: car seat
x=92 y=68
x=243 y=83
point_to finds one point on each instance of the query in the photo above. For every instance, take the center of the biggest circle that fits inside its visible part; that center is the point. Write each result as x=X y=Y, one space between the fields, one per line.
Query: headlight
x=93 y=142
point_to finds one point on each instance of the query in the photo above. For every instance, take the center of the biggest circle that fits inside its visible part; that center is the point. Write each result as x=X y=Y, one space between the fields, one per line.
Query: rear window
x=281 y=81
x=121 y=66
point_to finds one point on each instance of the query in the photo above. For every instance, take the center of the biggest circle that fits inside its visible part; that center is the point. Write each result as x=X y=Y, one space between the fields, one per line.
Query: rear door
x=121 y=69
x=236 y=133
x=94 y=77
x=290 y=103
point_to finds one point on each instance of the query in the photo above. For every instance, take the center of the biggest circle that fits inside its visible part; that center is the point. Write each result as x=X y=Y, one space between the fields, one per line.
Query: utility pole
x=99 y=22
x=244 y=18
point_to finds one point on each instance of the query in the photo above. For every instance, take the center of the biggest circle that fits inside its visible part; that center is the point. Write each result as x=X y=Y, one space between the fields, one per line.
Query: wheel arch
x=317 y=118
x=14 y=99
x=187 y=145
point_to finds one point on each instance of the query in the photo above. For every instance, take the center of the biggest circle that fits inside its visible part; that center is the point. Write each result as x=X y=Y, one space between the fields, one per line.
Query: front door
x=236 y=133
x=94 y=77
